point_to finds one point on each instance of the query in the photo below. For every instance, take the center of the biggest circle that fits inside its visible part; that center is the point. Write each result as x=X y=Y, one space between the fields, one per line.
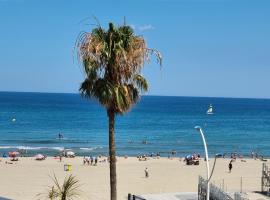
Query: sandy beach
x=26 y=178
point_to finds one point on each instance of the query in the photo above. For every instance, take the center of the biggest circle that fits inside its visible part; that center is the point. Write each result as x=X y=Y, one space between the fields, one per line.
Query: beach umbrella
x=13 y=154
x=70 y=154
x=39 y=157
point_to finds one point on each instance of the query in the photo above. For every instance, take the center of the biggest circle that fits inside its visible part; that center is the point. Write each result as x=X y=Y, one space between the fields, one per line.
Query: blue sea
x=166 y=123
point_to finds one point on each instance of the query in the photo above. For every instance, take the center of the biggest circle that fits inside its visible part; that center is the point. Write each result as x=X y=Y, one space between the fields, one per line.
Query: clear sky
x=210 y=47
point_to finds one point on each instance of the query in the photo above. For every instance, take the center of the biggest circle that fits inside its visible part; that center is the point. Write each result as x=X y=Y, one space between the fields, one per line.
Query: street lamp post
x=198 y=128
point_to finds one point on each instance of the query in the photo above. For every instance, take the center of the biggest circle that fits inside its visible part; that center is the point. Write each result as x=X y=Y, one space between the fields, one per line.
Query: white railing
x=216 y=193
x=240 y=196
x=265 y=181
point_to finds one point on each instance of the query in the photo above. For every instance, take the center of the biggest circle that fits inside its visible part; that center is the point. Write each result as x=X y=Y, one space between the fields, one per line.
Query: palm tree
x=67 y=191
x=112 y=61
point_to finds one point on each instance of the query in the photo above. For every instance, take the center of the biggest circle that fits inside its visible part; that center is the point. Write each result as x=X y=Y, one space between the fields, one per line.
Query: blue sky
x=210 y=47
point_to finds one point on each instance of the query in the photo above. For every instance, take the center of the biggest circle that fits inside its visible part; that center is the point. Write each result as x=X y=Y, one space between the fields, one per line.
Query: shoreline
x=170 y=156
x=101 y=159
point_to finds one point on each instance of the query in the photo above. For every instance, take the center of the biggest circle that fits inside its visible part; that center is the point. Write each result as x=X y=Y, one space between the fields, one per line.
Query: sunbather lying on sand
x=14 y=159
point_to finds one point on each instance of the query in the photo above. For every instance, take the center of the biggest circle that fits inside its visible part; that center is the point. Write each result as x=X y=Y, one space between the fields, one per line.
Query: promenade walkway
x=171 y=196
x=194 y=196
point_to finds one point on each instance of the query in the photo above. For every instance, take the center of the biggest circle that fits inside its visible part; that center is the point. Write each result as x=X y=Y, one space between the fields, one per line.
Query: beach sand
x=25 y=179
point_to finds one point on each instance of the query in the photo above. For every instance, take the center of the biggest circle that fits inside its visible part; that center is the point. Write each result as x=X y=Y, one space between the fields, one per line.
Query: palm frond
x=70 y=188
x=50 y=194
x=140 y=82
x=58 y=187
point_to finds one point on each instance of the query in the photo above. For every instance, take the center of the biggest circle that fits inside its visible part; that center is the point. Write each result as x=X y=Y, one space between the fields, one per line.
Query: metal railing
x=265 y=181
x=134 y=197
x=245 y=184
x=217 y=193
x=240 y=196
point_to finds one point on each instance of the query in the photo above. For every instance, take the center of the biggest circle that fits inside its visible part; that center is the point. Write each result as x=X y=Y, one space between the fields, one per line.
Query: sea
x=31 y=123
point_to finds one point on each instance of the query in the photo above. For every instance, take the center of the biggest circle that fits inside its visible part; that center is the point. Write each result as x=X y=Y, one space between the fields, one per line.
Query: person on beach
x=92 y=160
x=252 y=154
x=230 y=166
x=146 y=172
x=96 y=160
x=84 y=160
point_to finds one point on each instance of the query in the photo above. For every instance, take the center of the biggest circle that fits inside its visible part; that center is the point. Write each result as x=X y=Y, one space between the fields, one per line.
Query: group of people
x=255 y=156
x=90 y=160
x=9 y=158
x=192 y=159
x=142 y=158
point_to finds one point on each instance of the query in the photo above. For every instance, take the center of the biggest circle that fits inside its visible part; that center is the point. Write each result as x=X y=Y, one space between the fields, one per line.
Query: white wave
x=49 y=148
x=31 y=148
x=64 y=138
x=28 y=148
x=58 y=148
x=89 y=148
x=7 y=147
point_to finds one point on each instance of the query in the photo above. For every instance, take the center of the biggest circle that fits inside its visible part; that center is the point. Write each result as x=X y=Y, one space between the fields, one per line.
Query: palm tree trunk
x=111 y=116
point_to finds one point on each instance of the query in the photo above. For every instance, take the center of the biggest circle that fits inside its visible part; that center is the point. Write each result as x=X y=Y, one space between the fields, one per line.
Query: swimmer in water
x=60 y=136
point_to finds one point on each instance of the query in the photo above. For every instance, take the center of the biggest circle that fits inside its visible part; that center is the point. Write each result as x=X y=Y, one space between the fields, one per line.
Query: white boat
x=210 y=110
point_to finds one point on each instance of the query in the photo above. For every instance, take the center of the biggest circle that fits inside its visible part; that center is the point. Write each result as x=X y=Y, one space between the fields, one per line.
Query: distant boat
x=13 y=120
x=210 y=110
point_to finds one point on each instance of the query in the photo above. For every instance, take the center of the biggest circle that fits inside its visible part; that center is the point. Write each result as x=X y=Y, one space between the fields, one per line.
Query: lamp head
x=198 y=128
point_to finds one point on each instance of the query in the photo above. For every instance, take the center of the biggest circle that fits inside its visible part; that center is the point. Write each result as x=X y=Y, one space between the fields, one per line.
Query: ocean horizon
x=144 y=95
x=31 y=122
